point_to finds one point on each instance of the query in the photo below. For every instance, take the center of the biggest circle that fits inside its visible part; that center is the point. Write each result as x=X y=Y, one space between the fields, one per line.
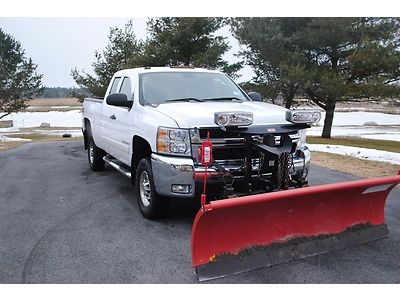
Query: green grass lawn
x=357 y=142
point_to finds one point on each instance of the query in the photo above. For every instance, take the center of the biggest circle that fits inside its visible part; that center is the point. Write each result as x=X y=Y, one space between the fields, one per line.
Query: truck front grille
x=229 y=150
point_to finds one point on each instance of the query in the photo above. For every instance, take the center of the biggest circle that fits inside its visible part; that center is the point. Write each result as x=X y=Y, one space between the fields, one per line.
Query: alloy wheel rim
x=145 y=191
x=91 y=153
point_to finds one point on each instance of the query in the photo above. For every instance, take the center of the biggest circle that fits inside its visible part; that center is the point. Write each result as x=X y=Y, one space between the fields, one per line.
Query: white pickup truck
x=152 y=122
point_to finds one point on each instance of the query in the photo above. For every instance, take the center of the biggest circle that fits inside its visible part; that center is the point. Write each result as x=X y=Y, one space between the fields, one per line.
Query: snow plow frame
x=239 y=234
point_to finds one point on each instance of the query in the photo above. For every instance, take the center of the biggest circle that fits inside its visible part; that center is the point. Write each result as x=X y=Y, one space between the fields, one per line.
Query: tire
x=151 y=205
x=95 y=156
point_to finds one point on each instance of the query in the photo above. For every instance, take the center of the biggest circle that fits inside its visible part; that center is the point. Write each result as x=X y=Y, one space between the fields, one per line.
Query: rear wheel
x=95 y=156
x=151 y=205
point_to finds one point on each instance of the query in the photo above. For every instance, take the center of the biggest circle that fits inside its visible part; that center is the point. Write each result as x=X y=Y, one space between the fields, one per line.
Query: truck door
x=123 y=123
x=116 y=122
x=106 y=120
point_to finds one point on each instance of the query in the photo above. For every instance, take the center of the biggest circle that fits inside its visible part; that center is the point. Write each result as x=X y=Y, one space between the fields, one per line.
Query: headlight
x=303 y=116
x=302 y=139
x=195 y=135
x=233 y=118
x=173 y=141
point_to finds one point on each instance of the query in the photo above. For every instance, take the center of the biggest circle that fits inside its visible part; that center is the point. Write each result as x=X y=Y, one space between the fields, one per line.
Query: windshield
x=157 y=88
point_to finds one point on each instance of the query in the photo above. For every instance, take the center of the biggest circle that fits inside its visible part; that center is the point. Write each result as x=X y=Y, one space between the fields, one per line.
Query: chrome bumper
x=301 y=166
x=172 y=170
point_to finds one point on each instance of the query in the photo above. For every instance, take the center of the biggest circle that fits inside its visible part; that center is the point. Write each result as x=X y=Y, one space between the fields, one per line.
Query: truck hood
x=201 y=114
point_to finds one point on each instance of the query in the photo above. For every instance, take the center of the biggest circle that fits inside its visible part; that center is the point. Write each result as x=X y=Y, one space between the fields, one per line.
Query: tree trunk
x=326 y=131
x=289 y=95
x=288 y=102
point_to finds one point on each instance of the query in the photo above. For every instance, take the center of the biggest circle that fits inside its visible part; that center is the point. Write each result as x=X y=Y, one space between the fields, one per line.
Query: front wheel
x=151 y=205
x=95 y=156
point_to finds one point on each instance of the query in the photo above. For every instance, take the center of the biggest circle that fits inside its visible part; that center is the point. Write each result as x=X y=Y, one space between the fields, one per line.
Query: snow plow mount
x=239 y=234
x=275 y=160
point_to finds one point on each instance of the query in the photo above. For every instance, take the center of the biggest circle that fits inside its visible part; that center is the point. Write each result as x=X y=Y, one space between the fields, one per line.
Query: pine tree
x=188 y=41
x=122 y=52
x=19 y=81
x=328 y=59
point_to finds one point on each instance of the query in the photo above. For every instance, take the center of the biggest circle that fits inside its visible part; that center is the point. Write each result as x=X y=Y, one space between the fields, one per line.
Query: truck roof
x=165 y=69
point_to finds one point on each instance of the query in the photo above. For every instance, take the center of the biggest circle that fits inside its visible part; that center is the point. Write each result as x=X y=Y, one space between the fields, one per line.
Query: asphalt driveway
x=62 y=223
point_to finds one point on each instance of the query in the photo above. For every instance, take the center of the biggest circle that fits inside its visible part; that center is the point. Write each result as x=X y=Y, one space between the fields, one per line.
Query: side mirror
x=119 y=100
x=255 y=96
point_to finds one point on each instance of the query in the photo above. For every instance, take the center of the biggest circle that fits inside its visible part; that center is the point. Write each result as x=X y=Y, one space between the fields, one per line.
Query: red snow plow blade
x=235 y=235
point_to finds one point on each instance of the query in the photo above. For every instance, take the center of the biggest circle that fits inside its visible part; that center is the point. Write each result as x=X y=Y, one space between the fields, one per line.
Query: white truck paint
x=129 y=134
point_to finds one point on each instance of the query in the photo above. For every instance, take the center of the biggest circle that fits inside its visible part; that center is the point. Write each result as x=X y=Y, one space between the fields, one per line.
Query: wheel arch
x=87 y=132
x=140 y=149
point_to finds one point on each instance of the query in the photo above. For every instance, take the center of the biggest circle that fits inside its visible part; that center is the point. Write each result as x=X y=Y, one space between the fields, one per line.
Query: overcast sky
x=58 y=45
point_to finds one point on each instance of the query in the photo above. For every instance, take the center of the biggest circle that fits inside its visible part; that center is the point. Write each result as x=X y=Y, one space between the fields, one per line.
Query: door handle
x=113 y=117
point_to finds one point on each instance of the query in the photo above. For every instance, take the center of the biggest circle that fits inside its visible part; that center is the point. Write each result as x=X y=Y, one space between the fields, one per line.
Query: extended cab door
x=106 y=124
x=118 y=122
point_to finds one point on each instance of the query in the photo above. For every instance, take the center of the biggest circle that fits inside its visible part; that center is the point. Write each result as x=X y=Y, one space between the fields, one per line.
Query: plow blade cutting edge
x=240 y=234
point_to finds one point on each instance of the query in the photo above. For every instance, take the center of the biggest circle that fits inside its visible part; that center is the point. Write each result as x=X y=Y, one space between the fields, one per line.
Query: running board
x=117 y=165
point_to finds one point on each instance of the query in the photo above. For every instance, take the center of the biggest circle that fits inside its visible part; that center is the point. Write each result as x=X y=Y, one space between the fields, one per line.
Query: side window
x=115 y=85
x=126 y=88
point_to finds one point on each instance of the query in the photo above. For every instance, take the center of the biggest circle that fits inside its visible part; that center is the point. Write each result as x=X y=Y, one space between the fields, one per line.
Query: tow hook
x=229 y=191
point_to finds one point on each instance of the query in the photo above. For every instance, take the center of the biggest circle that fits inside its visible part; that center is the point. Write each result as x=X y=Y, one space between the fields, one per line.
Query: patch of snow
x=382 y=136
x=9 y=129
x=388 y=133
x=362 y=153
x=65 y=106
x=360 y=118
x=71 y=118
x=4 y=138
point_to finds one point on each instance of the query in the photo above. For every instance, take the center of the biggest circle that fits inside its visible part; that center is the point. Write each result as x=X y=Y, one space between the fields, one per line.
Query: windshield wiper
x=183 y=99
x=222 y=99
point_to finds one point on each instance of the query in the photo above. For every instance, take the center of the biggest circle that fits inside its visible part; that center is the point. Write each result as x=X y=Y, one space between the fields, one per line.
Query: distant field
x=52 y=104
